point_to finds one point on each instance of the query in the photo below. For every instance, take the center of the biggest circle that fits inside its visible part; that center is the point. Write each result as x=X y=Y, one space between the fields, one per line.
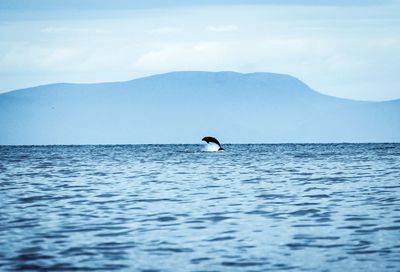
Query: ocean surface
x=330 y=207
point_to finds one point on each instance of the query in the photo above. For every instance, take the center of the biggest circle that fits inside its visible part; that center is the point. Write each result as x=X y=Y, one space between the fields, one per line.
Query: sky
x=348 y=49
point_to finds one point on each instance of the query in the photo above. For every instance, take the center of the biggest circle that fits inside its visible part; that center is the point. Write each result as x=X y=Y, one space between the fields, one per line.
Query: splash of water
x=211 y=147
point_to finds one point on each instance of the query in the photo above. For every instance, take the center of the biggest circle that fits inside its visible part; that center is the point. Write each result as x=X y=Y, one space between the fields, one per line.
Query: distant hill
x=182 y=107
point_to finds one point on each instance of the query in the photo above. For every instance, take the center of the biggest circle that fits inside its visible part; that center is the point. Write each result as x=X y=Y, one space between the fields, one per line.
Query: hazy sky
x=342 y=48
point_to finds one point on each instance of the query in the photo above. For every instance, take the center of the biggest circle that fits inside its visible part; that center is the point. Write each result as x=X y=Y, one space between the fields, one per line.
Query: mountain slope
x=182 y=107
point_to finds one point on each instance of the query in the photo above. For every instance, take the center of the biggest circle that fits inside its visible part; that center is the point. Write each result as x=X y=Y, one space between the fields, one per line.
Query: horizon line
x=200 y=144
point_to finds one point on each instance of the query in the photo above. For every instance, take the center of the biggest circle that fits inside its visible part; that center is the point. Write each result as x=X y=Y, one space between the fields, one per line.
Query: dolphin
x=209 y=139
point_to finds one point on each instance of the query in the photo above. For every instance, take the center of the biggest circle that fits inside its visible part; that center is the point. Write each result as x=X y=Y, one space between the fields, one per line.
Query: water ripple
x=332 y=207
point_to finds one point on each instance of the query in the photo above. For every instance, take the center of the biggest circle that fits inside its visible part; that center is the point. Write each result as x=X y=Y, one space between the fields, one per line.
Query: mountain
x=182 y=107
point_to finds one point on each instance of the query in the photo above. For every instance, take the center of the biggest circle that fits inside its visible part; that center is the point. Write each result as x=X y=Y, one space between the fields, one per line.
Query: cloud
x=222 y=28
x=62 y=30
x=167 y=30
x=198 y=55
x=26 y=57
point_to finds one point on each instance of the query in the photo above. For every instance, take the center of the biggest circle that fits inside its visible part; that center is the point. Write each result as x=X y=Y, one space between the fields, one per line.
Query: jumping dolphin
x=209 y=139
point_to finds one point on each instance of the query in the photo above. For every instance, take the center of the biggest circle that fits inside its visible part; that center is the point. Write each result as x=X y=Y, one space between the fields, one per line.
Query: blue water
x=179 y=208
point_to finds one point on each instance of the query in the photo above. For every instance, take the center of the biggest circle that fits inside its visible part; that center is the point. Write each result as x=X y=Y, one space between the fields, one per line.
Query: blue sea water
x=330 y=207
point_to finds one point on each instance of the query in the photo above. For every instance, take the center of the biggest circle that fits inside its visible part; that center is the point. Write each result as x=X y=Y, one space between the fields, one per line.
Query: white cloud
x=222 y=28
x=167 y=30
x=25 y=57
x=180 y=56
x=63 y=30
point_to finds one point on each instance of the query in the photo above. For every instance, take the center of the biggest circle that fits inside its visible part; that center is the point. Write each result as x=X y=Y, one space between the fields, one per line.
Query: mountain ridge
x=182 y=106
x=191 y=71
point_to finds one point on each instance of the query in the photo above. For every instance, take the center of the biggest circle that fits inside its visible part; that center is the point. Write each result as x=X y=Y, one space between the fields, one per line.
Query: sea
x=268 y=207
